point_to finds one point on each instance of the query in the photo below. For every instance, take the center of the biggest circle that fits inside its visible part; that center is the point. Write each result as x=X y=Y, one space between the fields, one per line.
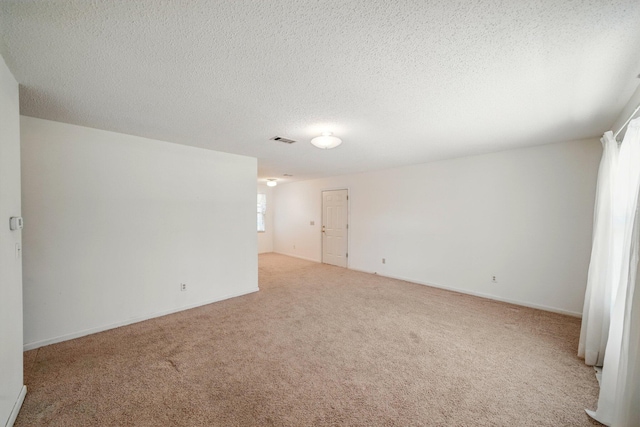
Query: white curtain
x=597 y=302
x=627 y=404
x=620 y=356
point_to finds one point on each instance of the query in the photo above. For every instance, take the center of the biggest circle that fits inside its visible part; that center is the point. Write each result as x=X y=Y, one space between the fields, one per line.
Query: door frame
x=322 y=190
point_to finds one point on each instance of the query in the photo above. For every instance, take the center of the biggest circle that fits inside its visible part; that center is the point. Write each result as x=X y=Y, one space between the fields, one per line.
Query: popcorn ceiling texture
x=400 y=81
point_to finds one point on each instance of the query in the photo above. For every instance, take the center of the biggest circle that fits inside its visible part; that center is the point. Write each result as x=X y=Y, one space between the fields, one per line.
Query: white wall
x=626 y=112
x=117 y=222
x=265 y=240
x=11 y=387
x=522 y=215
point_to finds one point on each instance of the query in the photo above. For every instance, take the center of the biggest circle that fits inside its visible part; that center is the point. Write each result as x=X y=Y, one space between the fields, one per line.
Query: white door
x=334 y=227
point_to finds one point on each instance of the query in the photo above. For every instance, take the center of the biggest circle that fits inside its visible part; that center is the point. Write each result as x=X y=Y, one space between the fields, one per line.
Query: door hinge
x=347 y=226
x=347 y=254
x=347 y=197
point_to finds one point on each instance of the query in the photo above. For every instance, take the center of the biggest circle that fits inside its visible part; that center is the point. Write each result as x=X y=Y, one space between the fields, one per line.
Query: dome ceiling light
x=271 y=182
x=326 y=141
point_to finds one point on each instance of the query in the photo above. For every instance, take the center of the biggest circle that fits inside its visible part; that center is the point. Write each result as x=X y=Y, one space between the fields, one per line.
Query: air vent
x=287 y=174
x=281 y=139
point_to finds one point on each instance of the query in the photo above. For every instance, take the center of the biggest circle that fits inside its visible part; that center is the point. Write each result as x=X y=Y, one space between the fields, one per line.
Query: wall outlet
x=183 y=287
x=294 y=246
x=312 y=223
x=493 y=279
x=384 y=261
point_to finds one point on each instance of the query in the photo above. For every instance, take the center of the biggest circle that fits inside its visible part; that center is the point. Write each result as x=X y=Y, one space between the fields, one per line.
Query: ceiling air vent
x=281 y=139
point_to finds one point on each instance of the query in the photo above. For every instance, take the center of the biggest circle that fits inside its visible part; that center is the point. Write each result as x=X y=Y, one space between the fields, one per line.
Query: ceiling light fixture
x=271 y=182
x=326 y=141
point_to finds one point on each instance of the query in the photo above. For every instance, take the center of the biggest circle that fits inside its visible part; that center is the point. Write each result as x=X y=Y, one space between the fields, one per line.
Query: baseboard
x=297 y=256
x=66 y=337
x=479 y=294
x=462 y=291
x=16 y=407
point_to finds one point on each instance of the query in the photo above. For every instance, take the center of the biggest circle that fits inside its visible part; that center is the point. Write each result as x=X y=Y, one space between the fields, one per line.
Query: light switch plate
x=15 y=223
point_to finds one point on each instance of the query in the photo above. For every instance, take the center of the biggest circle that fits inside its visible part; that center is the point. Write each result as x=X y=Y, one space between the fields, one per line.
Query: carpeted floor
x=320 y=345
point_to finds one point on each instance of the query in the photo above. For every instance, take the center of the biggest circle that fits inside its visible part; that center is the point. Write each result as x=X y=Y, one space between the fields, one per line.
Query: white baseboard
x=480 y=294
x=462 y=291
x=297 y=256
x=16 y=407
x=66 y=337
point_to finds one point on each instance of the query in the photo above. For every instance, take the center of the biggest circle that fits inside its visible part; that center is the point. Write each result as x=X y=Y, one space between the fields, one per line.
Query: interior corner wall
x=11 y=380
x=265 y=239
x=114 y=224
x=523 y=215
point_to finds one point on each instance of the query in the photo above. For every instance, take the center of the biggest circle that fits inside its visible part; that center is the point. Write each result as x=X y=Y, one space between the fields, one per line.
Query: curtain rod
x=615 y=135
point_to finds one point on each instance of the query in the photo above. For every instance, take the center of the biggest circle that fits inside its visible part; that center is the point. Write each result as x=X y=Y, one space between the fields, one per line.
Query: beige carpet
x=320 y=345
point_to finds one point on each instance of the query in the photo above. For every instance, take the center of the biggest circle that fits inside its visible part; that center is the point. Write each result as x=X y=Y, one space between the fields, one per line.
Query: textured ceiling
x=401 y=82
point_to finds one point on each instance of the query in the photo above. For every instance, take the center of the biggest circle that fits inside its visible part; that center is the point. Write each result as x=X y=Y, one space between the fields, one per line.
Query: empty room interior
x=319 y=213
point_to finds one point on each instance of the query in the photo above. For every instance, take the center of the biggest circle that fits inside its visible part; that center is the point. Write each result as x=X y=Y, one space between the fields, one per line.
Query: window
x=262 y=209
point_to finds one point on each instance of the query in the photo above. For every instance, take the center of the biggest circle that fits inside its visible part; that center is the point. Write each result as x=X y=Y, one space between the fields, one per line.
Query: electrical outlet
x=384 y=261
x=294 y=246
x=493 y=279
x=183 y=287
x=312 y=223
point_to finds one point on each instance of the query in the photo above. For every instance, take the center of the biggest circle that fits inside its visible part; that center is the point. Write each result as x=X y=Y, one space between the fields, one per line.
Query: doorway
x=335 y=216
